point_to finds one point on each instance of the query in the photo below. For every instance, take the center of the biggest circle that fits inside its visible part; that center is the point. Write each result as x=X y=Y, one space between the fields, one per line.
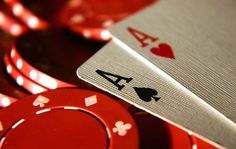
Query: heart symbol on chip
x=41 y=101
x=163 y=50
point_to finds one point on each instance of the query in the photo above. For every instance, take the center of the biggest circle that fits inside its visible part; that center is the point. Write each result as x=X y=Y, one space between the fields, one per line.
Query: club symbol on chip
x=146 y=94
x=121 y=128
x=40 y=101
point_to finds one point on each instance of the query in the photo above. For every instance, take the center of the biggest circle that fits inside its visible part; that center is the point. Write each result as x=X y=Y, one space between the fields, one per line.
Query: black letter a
x=108 y=76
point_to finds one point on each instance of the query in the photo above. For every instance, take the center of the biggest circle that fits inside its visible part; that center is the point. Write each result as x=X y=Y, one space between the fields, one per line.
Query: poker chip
x=21 y=79
x=51 y=58
x=37 y=14
x=91 y=18
x=67 y=118
x=8 y=23
x=9 y=90
x=35 y=74
x=10 y=26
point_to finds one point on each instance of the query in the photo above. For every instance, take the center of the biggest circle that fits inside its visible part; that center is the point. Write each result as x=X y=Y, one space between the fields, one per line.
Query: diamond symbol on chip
x=1 y=127
x=40 y=101
x=90 y=100
x=121 y=128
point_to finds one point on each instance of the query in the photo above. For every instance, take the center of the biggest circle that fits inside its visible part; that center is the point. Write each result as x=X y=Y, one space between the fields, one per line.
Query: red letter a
x=141 y=37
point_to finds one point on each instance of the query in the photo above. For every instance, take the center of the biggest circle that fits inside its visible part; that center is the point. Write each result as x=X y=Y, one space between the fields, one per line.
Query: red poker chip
x=51 y=58
x=8 y=23
x=37 y=14
x=10 y=26
x=91 y=18
x=9 y=90
x=67 y=118
x=34 y=74
x=21 y=79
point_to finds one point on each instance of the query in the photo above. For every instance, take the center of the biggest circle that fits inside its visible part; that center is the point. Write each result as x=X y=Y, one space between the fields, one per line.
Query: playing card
x=115 y=70
x=193 y=41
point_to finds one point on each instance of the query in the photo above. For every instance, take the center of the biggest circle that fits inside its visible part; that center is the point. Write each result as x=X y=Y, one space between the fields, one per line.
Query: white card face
x=115 y=70
x=193 y=41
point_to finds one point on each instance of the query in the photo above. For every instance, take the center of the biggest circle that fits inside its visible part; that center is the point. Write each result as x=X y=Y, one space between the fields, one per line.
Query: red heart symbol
x=163 y=50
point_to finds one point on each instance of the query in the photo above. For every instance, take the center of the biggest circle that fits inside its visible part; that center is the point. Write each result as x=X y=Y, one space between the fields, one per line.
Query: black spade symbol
x=146 y=94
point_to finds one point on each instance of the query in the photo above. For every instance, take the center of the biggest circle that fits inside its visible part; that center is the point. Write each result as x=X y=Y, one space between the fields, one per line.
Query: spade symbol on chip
x=146 y=94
